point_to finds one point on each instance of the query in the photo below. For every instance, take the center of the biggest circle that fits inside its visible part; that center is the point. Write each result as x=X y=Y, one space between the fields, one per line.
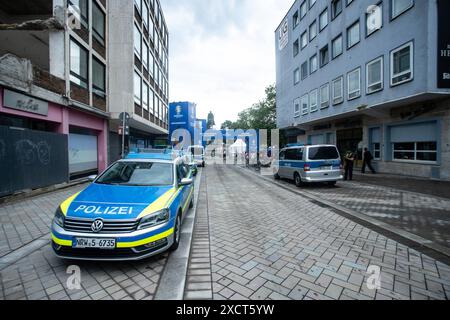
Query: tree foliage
x=262 y=115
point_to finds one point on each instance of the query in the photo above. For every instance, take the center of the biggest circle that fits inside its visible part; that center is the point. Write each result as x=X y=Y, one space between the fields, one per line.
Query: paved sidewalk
x=419 y=185
x=418 y=213
x=267 y=243
x=23 y=221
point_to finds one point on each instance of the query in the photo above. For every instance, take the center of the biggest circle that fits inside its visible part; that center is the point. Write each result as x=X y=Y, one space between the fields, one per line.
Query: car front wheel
x=176 y=234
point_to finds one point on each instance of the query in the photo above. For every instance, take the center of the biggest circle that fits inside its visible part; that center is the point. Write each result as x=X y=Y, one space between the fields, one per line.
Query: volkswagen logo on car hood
x=97 y=226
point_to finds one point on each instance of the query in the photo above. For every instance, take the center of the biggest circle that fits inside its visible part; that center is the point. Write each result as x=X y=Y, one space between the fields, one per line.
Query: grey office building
x=367 y=73
x=139 y=73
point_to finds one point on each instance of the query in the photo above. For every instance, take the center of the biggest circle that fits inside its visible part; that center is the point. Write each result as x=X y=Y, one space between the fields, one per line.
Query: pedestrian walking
x=349 y=161
x=367 y=161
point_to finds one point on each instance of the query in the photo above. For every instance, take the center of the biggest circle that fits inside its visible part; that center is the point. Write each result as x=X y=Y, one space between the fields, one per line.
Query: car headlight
x=155 y=219
x=59 y=217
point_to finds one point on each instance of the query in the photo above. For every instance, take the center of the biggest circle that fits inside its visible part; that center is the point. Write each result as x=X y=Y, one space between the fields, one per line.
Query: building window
x=311 y=3
x=145 y=96
x=304 y=102
x=151 y=64
x=374 y=75
x=415 y=151
x=304 y=39
x=312 y=30
x=137 y=88
x=374 y=19
x=354 y=84
x=400 y=6
x=325 y=96
x=98 y=23
x=303 y=9
x=297 y=110
x=78 y=64
x=304 y=70
x=402 y=63
x=313 y=65
x=324 y=56
x=336 y=47
x=295 y=20
x=151 y=28
x=98 y=77
x=375 y=142
x=151 y=100
x=79 y=8
x=323 y=20
x=313 y=101
x=137 y=41
x=138 y=5
x=296 y=76
x=353 y=35
x=145 y=14
x=376 y=150
x=296 y=48
x=338 y=90
x=336 y=8
x=145 y=53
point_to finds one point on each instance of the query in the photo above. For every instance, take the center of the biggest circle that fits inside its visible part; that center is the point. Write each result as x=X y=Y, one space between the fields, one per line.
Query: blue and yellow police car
x=132 y=211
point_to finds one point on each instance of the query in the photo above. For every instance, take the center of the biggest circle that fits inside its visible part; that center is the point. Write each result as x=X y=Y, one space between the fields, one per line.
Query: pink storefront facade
x=65 y=120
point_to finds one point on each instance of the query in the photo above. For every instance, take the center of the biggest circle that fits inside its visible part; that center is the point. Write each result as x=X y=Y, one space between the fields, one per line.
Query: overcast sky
x=222 y=52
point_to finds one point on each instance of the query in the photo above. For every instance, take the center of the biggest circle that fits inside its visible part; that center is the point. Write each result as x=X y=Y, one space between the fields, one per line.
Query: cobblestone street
x=267 y=243
x=252 y=240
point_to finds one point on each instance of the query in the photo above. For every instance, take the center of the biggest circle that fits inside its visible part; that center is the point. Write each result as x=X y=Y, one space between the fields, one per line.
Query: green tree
x=261 y=115
x=210 y=121
x=227 y=124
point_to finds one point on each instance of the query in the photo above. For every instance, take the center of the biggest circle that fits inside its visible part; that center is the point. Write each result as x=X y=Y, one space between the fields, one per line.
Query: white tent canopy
x=238 y=147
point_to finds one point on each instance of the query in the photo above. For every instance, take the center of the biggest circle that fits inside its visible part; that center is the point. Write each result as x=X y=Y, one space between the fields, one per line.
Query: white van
x=310 y=163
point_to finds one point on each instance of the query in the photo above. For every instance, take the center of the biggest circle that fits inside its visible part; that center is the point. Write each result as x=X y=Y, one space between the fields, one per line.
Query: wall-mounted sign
x=21 y=102
x=283 y=35
x=443 y=64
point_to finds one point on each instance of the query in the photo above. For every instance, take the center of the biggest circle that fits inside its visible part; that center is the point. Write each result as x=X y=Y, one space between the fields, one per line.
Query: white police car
x=310 y=163
x=132 y=211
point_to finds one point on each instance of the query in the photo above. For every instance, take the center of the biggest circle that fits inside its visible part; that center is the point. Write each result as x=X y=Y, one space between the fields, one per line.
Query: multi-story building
x=138 y=68
x=53 y=102
x=369 y=73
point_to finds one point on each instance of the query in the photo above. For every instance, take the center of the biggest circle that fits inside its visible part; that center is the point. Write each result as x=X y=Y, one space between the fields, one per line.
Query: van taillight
x=341 y=166
x=306 y=168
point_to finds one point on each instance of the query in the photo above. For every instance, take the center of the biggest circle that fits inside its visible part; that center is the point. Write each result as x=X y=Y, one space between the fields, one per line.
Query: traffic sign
x=124 y=115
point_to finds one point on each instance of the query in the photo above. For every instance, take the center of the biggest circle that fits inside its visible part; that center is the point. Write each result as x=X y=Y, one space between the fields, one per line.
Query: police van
x=310 y=163
x=132 y=211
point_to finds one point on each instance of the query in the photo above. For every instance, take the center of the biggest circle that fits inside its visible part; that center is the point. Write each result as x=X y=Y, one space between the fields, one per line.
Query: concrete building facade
x=364 y=73
x=53 y=58
x=139 y=72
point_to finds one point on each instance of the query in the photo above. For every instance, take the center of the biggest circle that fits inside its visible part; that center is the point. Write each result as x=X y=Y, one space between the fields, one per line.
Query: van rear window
x=323 y=153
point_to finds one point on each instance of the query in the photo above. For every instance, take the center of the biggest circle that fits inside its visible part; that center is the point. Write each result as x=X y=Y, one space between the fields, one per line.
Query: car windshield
x=323 y=153
x=138 y=174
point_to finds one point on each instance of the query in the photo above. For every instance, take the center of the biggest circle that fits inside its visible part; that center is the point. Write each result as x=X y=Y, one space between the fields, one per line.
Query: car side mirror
x=186 y=182
x=92 y=178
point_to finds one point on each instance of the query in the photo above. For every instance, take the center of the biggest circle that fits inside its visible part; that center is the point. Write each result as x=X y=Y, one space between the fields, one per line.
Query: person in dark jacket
x=367 y=161
x=349 y=160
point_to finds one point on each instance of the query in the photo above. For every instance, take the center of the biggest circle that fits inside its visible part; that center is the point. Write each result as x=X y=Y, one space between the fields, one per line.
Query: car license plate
x=326 y=168
x=94 y=243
